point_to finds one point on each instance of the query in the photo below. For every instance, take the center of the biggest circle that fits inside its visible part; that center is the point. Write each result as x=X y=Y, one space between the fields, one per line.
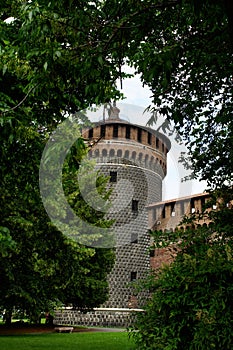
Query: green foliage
x=186 y=60
x=6 y=242
x=61 y=56
x=51 y=54
x=42 y=49
x=41 y=267
x=191 y=305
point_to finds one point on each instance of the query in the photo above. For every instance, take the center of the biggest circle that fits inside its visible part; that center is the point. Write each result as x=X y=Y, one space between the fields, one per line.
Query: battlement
x=139 y=145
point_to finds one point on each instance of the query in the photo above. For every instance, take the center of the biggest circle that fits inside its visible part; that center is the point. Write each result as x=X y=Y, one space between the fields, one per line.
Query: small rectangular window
x=173 y=212
x=134 y=237
x=149 y=138
x=134 y=206
x=152 y=253
x=113 y=176
x=133 y=276
x=90 y=133
x=127 y=132
x=203 y=204
x=139 y=135
x=157 y=143
x=192 y=206
x=102 y=130
x=115 y=130
x=163 y=213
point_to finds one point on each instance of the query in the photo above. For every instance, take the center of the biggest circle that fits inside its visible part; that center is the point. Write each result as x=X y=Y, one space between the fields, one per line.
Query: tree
x=66 y=55
x=39 y=265
x=190 y=306
x=42 y=267
x=187 y=76
x=60 y=57
x=57 y=68
x=191 y=79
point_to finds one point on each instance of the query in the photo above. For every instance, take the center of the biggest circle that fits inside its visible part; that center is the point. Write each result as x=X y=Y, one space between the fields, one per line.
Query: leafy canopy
x=63 y=56
x=58 y=57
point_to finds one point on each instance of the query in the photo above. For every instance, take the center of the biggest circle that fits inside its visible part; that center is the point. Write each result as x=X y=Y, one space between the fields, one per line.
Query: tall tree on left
x=39 y=265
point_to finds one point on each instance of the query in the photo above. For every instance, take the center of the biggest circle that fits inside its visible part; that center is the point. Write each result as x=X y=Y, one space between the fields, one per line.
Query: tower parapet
x=132 y=142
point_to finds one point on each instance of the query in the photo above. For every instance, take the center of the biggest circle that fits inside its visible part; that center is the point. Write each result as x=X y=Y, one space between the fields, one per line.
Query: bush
x=191 y=307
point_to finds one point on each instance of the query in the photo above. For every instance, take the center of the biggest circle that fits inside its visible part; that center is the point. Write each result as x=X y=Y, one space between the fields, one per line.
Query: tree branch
x=19 y=104
x=122 y=25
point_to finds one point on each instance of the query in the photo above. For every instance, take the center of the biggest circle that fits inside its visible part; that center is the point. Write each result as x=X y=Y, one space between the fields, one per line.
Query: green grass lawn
x=64 y=341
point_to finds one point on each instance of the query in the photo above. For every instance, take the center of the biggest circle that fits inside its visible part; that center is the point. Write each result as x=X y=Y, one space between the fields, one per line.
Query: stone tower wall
x=135 y=159
x=133 y=241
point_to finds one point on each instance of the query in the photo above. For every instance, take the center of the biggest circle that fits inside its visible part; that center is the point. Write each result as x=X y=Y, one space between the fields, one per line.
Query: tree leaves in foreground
x=63 y=56
x=58 y=57
x=40 y=267
x=191 y=305
x=191 y=80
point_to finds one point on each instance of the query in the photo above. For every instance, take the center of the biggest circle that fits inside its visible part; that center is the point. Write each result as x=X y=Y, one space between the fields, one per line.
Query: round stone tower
x=135 y=159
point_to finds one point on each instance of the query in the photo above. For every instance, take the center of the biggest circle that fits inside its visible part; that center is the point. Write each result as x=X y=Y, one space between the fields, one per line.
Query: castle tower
x=135 y=159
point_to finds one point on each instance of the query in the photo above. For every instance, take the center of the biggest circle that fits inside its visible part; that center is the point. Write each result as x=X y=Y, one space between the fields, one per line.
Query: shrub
x=191 y=306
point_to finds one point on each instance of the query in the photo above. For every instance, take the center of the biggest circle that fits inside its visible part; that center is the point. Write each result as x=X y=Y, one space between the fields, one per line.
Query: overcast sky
x=132 y=109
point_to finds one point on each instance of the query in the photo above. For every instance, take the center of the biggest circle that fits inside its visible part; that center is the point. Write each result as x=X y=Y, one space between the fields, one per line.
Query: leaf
x=4 y=69
x=100 y=60
x=58 y=53
x=45 y=66
x=30 y=15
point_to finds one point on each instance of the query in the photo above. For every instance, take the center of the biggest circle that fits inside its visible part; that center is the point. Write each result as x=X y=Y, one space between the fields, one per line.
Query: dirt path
x=16 y=329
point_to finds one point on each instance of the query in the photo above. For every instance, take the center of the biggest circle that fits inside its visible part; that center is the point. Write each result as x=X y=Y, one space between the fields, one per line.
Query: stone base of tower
x=102 y=317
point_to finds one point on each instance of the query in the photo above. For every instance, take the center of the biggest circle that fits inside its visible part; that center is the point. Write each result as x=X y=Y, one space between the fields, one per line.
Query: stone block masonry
x=98 y=317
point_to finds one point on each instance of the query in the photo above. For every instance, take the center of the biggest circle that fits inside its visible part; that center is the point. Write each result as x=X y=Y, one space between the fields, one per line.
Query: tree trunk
x=7 y=318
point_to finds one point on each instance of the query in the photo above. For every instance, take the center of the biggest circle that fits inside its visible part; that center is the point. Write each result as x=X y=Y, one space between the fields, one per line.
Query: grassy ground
x=64 y=341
